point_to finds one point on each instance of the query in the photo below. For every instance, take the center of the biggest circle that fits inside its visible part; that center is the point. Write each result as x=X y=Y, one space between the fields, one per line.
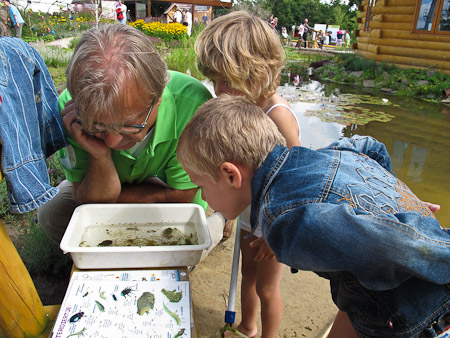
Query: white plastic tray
x=118 y=257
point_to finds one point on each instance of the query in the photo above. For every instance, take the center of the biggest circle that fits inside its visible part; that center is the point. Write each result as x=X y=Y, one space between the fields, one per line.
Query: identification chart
x=134 y=303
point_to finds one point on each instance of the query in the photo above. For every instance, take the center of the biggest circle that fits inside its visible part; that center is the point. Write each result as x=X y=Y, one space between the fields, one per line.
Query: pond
x=416 y=133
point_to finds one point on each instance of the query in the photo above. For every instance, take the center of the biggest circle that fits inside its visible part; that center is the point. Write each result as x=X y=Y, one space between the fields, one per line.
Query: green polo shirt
x=180 y=100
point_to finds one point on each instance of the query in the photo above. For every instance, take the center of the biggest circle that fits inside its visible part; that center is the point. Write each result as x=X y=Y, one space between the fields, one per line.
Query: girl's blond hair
x=243 y=49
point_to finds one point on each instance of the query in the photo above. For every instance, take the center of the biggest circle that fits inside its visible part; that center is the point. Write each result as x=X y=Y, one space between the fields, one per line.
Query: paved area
x=60 y=42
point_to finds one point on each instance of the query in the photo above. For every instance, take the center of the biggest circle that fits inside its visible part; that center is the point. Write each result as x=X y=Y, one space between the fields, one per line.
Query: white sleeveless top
x=244 y=218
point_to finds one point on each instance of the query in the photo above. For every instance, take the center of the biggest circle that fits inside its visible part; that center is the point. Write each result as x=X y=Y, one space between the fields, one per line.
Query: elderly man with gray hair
x=123 y=112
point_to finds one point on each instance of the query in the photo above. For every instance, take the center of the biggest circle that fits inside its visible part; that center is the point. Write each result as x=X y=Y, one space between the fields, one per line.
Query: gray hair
x=108 y=63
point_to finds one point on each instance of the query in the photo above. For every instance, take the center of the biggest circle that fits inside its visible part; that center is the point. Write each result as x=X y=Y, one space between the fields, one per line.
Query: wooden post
x=21 y=311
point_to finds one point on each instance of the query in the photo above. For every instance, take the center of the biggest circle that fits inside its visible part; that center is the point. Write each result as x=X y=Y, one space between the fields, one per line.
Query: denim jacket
x=342 y=213
x=31 y=128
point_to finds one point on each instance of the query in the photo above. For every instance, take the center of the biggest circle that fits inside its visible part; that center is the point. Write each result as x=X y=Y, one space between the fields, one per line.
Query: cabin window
x=433 y=16
x=444 y=22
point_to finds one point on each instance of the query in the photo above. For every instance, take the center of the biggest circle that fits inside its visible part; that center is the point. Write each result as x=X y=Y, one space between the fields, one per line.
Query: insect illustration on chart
x=79 y=333
x=179 y=333
x=127 y=292
x=100 y=306
x=172 y=314
x=76 y=317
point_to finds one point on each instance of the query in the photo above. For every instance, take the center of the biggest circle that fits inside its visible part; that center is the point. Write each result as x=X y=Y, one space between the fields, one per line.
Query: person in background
x=347 y=39
x=301 y=30
x=16 y=18
x=274 y=23
x=320 y=37
x=187 y=15
x=205 y=19
x=123 y=124
x=339 y=35
x=338 y=211
x=4 y=29
x=326 y=38
x=121 y=12
x=178 y=16
x=306 y=30
x=251 y=66
x=286 y=36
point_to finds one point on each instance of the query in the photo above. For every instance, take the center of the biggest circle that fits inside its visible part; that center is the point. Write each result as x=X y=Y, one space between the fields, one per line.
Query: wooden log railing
x=21 y=311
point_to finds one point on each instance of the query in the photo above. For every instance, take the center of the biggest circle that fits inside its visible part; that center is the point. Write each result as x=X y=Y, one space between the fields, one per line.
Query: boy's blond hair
x=244 y=50
x=227 y=129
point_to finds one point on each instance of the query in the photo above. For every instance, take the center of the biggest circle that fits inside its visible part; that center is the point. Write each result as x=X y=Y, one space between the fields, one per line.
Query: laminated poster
x=132 y=303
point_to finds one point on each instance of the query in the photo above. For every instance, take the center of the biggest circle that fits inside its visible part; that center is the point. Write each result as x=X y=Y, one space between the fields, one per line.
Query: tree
x=291 y=12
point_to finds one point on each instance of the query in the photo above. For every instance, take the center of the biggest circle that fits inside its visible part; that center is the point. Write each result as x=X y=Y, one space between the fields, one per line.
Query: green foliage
x=256 y=8
x=54 y=56
x=47 y=27
x=5 y=214
x=294 y=54
x=182 y=57
x=38 y=252
x=410 y=82
x=74 y=42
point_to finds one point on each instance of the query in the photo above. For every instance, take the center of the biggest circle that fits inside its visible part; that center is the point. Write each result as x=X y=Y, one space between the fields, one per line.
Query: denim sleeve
x=31 y=128
x=365 y=145
x=380 y=252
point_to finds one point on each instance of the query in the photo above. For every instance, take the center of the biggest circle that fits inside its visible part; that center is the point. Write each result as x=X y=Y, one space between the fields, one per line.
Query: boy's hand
x=264 y=253
x=432 y=207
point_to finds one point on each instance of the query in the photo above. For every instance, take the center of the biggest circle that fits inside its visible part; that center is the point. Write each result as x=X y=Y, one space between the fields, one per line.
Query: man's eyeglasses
x=121 y=129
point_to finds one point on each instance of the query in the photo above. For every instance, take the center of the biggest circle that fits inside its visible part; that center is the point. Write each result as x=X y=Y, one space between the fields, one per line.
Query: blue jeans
x=31 y=128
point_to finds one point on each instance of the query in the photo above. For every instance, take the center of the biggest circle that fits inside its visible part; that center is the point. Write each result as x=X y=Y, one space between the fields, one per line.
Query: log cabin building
x=407 y=33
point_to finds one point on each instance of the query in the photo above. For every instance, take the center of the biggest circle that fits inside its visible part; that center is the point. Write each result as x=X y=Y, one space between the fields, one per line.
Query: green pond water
x=416 y=133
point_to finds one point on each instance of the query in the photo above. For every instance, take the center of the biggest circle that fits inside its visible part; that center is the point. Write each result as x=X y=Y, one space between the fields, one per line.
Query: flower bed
x=164 y=31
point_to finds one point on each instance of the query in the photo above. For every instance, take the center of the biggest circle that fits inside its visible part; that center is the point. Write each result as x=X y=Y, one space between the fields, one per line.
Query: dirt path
x=308 y=308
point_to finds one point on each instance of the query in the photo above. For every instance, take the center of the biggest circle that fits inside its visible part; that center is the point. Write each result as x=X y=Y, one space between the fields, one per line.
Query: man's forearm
x=101 y=183
x=152 y=193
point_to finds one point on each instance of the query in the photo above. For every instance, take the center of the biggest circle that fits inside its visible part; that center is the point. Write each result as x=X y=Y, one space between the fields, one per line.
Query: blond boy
x=338 y=211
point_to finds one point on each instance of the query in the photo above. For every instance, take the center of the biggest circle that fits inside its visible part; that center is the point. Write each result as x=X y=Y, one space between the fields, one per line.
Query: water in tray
x=132 y=234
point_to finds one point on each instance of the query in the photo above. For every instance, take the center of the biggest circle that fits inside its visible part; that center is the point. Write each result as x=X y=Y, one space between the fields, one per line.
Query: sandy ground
x=308 y=308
